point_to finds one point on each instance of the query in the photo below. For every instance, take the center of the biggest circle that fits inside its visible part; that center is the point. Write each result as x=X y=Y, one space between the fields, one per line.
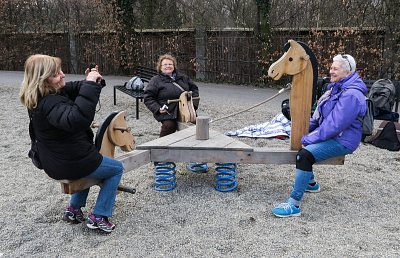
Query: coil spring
x=225 y=179
x=198 y=167
x=164 y=176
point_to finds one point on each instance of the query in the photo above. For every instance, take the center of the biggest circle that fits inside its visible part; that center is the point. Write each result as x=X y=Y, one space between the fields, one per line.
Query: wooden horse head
x=296 y=61
x=114 y=132
x=292 y=62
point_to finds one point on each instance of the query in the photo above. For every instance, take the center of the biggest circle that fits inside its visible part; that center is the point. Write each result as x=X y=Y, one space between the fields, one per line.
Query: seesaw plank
x=256 y=156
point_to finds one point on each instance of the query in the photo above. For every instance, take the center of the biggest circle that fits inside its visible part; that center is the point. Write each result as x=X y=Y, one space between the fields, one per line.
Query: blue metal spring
x=225 y=179
x=164 y=176
x=198 y=167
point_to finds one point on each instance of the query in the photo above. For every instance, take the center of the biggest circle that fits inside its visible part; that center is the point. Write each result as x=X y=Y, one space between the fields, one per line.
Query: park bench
x=145 y=74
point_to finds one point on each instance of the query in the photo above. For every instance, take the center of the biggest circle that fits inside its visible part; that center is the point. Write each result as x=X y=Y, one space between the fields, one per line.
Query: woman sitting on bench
x=61 y=117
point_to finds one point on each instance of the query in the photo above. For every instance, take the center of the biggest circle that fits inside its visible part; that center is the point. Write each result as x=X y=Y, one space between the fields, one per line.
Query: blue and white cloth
x=279 y=126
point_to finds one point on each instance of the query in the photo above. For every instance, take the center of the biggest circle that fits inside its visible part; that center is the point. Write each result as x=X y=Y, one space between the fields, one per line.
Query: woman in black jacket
x=167 y=85
x=61 y=117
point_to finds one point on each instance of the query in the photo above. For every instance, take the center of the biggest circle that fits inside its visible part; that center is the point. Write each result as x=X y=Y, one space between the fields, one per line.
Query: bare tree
x=343 y=22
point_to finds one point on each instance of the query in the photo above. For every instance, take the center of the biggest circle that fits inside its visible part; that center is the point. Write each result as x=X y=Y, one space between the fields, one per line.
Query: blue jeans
x=321 y=151
x=110 y=171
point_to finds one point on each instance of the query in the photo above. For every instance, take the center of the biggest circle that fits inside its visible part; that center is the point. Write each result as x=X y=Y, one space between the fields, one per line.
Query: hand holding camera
x=92 y=74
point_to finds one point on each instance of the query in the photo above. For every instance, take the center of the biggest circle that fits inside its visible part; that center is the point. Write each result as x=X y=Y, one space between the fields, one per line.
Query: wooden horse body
x=186 y=112
x=111 y=133
x=295 y=61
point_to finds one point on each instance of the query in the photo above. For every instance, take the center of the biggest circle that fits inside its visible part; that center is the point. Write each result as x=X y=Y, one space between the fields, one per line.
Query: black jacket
x=160 y=89
x=62 y=128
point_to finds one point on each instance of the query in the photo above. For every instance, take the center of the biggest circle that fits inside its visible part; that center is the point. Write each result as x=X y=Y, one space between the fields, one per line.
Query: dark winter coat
x=161 y=89
x=62 y=127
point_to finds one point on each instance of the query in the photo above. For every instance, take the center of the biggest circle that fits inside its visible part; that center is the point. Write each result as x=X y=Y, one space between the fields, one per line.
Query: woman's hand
x=164 y=109
x=93 y=74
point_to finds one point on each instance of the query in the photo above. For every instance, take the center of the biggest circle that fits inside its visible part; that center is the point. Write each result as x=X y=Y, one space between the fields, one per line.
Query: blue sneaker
x=313 y=188
x=286 y=209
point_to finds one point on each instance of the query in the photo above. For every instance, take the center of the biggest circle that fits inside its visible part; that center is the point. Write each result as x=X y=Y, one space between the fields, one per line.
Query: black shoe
x=73 y=215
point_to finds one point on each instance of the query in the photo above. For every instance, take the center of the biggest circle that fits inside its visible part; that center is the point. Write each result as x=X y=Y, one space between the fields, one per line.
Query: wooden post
x=300 y=106
x=202 y=127
x=295 y=61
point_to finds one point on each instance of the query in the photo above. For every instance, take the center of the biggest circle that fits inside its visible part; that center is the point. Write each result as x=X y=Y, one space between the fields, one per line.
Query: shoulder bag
x=33 y=152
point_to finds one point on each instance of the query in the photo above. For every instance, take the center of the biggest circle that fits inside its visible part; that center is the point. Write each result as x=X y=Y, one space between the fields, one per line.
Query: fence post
x=72 y=52
x=201 y=42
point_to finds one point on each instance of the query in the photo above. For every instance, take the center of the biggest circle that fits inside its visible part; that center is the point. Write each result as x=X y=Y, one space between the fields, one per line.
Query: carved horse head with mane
x=300 y=62
x=114 y=132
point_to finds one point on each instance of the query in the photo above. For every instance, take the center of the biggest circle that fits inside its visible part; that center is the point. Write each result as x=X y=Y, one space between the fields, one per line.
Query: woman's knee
x=304 y=160
x=119 y=167
x=168 y=127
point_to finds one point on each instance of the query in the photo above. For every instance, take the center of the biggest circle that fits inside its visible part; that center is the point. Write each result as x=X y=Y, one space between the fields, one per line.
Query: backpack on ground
x=382 y=94
x=387 y=137
x=368 y=120
x=135 y=84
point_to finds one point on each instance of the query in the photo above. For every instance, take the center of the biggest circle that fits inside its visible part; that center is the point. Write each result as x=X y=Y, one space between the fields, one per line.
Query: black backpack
x=367 y=121
x=382 y=94
x=387 y=137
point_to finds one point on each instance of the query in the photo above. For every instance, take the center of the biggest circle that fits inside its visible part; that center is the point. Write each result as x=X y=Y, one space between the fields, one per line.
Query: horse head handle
x=114 y=132
x=120 y=134
x=292 y=62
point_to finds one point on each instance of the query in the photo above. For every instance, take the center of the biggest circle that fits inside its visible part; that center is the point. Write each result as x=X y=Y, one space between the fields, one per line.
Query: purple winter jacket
x=338 y=114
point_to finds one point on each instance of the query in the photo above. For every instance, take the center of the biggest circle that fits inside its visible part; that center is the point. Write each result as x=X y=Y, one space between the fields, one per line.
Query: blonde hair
x=38 y=68
x=168 y=57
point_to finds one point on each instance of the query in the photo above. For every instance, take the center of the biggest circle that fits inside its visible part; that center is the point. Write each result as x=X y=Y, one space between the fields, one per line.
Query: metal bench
x=145 y=74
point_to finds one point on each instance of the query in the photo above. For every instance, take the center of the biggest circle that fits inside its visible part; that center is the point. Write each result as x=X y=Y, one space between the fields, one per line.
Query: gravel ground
x=354 y=215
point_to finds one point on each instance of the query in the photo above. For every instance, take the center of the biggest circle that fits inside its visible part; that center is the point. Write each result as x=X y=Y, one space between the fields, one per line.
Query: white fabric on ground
x=278 y=126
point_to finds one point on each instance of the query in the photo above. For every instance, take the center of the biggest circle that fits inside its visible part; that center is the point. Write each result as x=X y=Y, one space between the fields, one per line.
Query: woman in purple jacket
x=335 y=130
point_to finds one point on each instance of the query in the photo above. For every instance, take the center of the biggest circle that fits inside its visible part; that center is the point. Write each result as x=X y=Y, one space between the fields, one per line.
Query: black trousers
x=168 y=127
